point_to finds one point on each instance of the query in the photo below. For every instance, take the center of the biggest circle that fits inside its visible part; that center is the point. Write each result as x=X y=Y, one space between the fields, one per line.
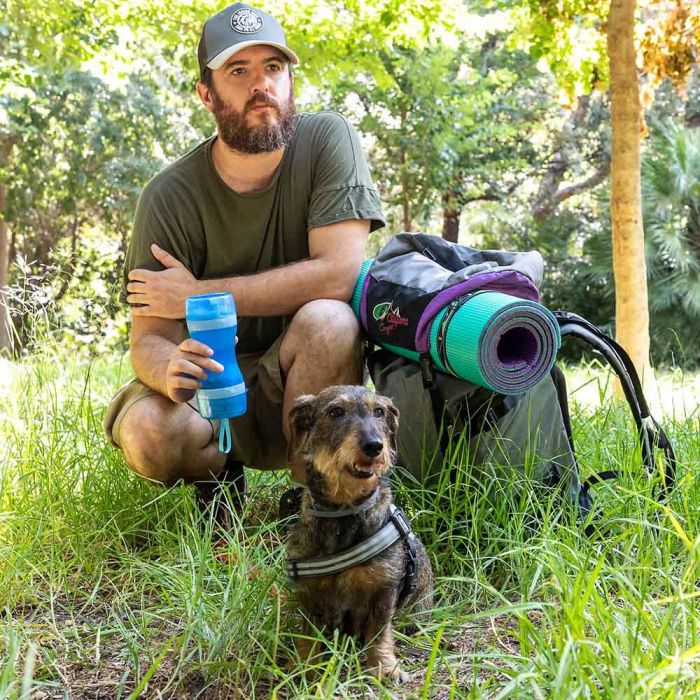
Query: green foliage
x=451 y=124
x=569 y=36
x=671 y=192
x=458 y=107
x=86 y=151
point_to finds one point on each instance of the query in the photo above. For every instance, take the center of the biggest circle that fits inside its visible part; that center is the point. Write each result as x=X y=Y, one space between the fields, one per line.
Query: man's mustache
x=261 y=99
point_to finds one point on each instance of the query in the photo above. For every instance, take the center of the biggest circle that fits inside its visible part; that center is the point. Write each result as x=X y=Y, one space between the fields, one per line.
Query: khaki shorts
x=257 y=437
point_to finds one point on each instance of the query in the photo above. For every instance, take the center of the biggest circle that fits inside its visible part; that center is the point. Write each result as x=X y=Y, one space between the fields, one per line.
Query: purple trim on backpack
x=363 y=300
x=505 y=281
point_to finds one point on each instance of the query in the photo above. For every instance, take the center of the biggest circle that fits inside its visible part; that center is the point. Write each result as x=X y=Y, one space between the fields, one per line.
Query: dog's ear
x=301 y=419
x=392 y=420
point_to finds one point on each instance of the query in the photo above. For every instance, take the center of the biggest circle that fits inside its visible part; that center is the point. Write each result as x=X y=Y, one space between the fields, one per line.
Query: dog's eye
x=336 y=412
x=379 y=412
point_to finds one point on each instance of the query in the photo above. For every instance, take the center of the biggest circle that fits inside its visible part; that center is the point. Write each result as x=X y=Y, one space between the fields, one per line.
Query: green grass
x=111 y=587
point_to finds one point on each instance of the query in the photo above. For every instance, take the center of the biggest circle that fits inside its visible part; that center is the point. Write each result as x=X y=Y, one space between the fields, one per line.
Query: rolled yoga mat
x=490 y=339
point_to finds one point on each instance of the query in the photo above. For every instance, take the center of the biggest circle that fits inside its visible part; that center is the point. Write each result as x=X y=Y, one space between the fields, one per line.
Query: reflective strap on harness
x=398 y=527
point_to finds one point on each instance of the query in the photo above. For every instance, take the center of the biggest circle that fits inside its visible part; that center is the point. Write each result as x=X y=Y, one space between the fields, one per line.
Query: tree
x=629 y=264
x=580 y=147
x=451 y=124
x=568 y=33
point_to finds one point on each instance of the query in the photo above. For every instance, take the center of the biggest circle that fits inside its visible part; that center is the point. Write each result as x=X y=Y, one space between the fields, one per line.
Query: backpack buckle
x=426 y=371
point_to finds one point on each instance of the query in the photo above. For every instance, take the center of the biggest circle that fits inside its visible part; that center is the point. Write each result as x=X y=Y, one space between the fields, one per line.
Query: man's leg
x=165 y=441
x=322 y=347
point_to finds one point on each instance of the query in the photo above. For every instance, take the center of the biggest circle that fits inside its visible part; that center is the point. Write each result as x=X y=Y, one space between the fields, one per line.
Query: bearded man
x=274 y=208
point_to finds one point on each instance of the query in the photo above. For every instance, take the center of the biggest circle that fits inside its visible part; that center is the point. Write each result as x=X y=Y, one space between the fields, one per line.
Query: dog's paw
x=391 y=672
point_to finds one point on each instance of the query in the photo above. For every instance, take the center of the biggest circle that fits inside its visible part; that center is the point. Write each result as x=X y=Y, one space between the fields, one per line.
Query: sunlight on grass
x=113 y=587
x=672 y=394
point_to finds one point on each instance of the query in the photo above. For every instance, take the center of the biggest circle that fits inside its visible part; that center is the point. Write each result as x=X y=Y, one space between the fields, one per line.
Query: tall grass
x=112 y=587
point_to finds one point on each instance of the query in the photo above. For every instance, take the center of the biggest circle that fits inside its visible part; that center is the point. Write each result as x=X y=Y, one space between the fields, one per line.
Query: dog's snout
x=371 y=445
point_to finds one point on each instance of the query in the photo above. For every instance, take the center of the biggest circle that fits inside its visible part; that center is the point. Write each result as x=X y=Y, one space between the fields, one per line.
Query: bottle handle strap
x=224 y=436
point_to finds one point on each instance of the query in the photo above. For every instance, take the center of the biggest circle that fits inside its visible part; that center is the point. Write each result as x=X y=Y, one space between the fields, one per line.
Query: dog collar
x=397 y=528
x=321 y=511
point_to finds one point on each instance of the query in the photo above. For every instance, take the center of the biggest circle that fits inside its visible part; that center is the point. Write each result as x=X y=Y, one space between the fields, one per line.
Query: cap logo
x=246 y=21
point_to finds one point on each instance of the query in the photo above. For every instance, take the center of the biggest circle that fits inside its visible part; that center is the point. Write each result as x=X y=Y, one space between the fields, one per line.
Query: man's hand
x=186 y=369
x=161 y=293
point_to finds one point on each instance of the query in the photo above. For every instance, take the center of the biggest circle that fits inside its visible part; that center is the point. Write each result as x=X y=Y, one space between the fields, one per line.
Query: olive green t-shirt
x=188 y=210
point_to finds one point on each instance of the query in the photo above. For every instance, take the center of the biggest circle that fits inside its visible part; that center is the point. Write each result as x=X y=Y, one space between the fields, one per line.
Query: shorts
x=257 y=437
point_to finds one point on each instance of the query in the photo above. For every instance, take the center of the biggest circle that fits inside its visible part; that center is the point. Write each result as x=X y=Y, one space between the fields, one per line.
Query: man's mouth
x=261 y=105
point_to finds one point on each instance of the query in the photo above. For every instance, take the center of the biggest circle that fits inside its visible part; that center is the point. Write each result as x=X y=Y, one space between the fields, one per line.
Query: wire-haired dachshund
x=346 y=439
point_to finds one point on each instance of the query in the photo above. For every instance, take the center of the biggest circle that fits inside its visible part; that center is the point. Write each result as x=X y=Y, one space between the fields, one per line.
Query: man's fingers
x=136 y=288
x=164 y=257
x=180 y=382
x=204 y=362
x=194 y=346
x=140 y=275
x=184 y=366
x=141 y=310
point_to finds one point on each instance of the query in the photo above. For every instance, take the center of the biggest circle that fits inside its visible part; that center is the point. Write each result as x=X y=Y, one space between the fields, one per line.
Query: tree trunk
x=6 y=143
x=450 y=217
x=629 y=265
x=405 y=180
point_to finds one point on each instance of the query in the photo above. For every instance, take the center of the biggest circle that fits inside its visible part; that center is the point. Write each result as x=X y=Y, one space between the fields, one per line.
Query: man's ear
x=301 y=420
x=204 y=92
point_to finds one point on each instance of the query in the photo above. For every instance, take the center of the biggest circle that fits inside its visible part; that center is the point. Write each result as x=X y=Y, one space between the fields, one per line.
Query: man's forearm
x=150 y=356
x=283 y=290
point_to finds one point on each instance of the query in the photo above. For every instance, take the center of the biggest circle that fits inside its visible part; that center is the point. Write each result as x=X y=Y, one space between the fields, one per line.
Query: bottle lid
x=205 y=307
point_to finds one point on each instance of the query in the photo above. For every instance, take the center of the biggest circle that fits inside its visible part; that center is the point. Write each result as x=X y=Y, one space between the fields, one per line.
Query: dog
x=345 y=437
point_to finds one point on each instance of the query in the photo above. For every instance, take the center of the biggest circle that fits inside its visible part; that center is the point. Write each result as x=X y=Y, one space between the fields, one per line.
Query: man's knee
x=324 y=342
x=153 y=442
x=326 y=324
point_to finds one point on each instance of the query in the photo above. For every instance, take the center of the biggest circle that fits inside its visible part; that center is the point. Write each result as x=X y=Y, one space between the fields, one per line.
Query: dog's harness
x=398 y=527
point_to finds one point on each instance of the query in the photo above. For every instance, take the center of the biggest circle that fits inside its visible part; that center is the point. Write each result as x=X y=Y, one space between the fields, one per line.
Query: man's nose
x=261 y=82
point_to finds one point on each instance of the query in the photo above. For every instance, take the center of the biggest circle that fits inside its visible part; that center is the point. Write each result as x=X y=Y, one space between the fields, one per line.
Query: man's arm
x=336 y=252
x=166 y=363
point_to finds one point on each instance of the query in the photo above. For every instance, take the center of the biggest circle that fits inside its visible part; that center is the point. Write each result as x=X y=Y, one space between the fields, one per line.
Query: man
x=276 y=209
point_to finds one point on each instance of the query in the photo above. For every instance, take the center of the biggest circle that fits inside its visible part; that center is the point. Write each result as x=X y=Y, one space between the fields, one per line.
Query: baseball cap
x=234 y=29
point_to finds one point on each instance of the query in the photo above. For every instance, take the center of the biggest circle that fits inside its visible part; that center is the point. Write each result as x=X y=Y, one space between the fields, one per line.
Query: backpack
x=424 y=276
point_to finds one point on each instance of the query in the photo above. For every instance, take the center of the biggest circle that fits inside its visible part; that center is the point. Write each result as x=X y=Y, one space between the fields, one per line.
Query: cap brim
x=224 y=55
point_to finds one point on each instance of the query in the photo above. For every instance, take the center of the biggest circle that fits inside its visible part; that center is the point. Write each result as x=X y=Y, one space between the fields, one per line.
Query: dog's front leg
x=381 y=658
x=306 y=643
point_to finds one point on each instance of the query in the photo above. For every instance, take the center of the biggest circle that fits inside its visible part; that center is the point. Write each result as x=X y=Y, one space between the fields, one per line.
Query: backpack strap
x=651 y=434
x=436 y=401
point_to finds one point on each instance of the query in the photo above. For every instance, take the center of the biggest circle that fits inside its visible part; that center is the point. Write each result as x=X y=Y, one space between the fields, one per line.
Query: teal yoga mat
x=490 y=339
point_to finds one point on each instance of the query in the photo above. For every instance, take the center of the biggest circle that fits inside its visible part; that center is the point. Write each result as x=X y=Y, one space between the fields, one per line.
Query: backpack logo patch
x=388 y=317
x=246 y=21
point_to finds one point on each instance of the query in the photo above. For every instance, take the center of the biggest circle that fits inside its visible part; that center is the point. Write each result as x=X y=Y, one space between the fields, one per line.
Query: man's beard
x=261 y=138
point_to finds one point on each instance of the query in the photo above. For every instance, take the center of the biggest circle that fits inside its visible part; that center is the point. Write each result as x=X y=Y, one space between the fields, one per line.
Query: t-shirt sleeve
x=342 y=186
x=157 y=221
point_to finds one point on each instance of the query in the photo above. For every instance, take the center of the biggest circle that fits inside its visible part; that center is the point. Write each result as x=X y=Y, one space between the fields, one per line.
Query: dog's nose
x=371 y=446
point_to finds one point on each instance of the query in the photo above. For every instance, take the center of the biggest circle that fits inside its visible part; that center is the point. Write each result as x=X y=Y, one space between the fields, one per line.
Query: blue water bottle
x=211 y=319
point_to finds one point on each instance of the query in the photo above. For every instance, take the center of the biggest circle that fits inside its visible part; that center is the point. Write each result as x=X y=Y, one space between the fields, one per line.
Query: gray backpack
x=447 y=421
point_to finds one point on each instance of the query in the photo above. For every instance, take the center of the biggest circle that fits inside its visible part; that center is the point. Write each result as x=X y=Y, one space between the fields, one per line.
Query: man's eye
x=379 y=412
x=274 y=66
x=237 y=71
x=336 y=412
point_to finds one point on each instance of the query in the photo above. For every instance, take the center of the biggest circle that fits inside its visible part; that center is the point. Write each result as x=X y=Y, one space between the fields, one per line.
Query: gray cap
x=236 y=28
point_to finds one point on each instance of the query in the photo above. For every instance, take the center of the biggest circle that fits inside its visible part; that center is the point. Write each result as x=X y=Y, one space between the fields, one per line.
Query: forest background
x=485 y=122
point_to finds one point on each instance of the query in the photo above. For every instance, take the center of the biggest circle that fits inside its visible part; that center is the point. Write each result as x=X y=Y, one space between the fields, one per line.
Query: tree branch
x=587 y=184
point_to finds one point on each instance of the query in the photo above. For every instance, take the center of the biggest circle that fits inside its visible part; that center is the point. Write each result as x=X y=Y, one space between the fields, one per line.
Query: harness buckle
x=401 y=522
